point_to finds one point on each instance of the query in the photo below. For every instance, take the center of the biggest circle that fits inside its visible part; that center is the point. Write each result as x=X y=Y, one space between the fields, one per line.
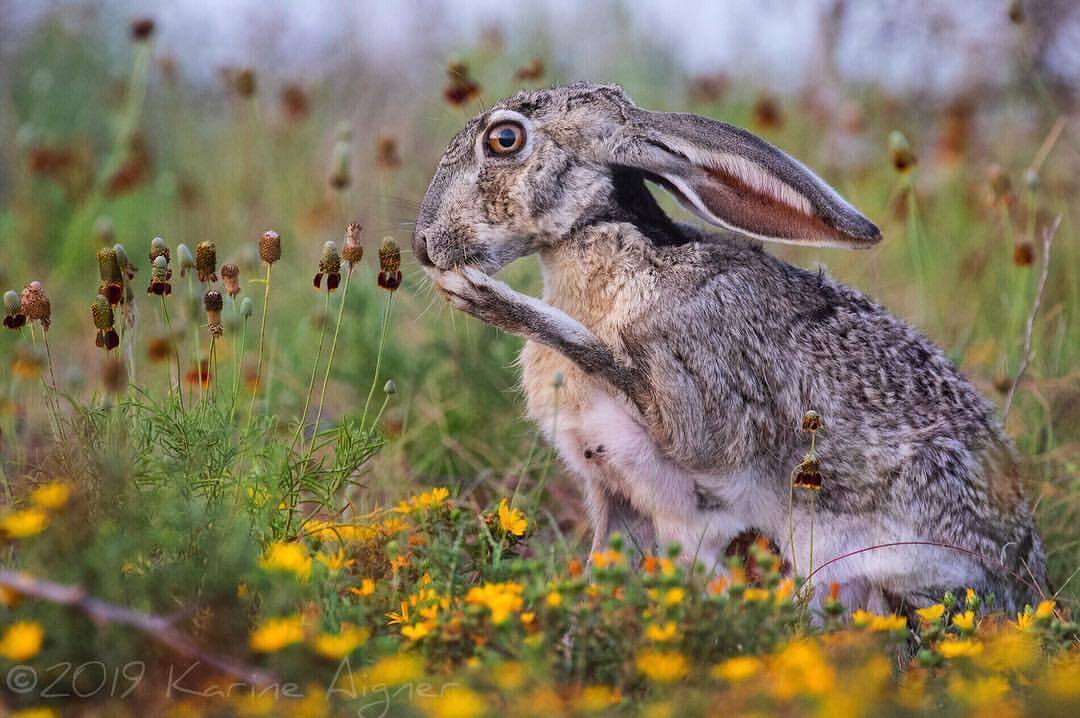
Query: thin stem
x=176 y=351
x=262 y=340
x=211 y=367
x=378 y=360
x=238 y=370
x=198 y=348
x=333 y=349
x=54 y=405
x=315 y=370
x=791 y=523
x=813 y=505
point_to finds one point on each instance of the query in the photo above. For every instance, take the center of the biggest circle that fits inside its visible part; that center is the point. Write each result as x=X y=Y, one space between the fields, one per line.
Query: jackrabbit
x=690 y=357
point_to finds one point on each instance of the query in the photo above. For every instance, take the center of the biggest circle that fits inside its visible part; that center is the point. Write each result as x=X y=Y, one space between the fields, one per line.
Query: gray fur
x=714 y=349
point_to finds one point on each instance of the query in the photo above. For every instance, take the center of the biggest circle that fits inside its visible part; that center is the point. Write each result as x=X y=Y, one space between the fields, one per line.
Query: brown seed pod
x=35 y=304
x=206 y=261
x=767 y=113
x=114 y=376
x=142 y=29
x=270 y=246
x=903 y=158
x=389 y=265
x=330 y=267
x=109 y=265
x=532 y=71
x=104 y=319
x=230 y=277
x=160 y=348
x=158 y=248
x=808 y=473
x=352 y=251
x=386 y=153
x=244 y=82
x=213 y=303
x=460 y=87
x=160 y=274
x=1023 y=254
x=812 y=421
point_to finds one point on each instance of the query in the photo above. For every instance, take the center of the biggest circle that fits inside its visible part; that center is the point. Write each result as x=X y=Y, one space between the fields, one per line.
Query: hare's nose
x=420 y=250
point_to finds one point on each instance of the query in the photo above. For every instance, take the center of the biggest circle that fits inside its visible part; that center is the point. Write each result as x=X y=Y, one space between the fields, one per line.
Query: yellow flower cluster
x=421 y=502
x=502 y=599
x=512 y=521
x=290 y=557
x=21 y=641
x=32 y=520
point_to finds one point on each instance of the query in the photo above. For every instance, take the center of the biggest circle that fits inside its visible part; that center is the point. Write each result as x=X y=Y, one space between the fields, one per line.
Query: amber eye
x=506 y=138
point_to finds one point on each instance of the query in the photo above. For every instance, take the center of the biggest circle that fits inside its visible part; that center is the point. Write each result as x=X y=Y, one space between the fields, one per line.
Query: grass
x=275 y=561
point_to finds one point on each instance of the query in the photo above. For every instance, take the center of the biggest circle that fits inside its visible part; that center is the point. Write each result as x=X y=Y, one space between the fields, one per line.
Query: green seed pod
x=902 y=156
x=12 y=303
x=247 y=307
x=206 y=261
x=102 y=313
x=389 y=388
x=109 y=265
x=158 y=249
x=341 y=174
x=160 y=274
x=124 y=261
x=185 y=258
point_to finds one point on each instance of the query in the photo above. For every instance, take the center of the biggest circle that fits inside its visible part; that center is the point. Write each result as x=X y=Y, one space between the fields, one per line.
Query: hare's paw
x=469 y=290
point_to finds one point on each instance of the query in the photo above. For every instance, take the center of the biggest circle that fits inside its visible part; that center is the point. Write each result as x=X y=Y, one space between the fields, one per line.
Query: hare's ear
x=732 y=178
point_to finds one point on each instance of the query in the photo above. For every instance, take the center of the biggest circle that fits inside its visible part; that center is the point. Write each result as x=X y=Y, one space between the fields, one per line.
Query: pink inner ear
x=733 y=201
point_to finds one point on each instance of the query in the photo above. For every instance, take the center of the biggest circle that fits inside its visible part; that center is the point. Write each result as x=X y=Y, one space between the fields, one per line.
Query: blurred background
x=951 y=125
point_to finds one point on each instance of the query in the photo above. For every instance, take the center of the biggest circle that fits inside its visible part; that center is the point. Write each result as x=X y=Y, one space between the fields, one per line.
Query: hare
x=691 y=356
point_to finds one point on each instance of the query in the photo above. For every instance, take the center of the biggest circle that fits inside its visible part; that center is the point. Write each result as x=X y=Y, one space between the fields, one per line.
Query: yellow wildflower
x=662 y=634
x=876 y=623
x=511 y=520
x=801 y=669
x=674 y=596
x=416 y=631
x=979 y=691
x=1009 y=652
x=290 y=557
x=964 y=621
x=395 y=669
x=335 y=561
x=51 y=496
x=455 y=702
x=510 y=675
x=1063 y=679
x=785 y=590
x=8 y=596
x=35 y=712
x=737 y=669
x=553 y=599
x=956 y=648
x=594 y=699
x=663 y=666
x=277 y=633
x=754 y=594
x=606 y=558
x=1045 y=609
x=527 y=618
x=21 y=641
x=501 y=599
x=23 y=524
x=399 y=617
x=930 y=614
x=336 y=646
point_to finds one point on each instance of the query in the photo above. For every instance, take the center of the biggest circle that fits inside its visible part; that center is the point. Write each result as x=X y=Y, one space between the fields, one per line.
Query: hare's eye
x=506 y=138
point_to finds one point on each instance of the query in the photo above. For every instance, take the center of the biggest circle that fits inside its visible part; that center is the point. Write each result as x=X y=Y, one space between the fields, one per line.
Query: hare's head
x=536 y=167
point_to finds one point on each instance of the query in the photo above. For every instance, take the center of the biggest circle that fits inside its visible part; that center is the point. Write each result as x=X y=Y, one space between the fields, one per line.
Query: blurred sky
x=927 y=46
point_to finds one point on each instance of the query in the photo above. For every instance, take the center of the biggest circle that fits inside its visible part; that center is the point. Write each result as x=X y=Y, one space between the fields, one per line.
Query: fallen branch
x=158 y=628
x=1048 y=238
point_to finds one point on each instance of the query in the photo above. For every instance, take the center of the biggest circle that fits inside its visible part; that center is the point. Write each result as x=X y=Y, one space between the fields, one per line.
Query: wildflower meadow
x=251 y=463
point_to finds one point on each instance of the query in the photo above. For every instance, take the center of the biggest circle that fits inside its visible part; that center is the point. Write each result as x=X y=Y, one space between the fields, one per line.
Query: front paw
x=467 y=289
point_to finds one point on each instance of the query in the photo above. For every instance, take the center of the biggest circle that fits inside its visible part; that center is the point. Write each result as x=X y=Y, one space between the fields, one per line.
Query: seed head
x=158 y=248
x=532 y=71
x=1001 y=186
x=206 y=261
x=247 y=308
x=243 y=82
x=212 y=302
x=1023 y=254
x=903 y=158
x=185 y=259
x=30 y=361
x=330 y=267
x=160 y=348
x=808 y=473
x=460 y=87
x=352 y=251
x=112 y=278
x=767 y=113
x=104 y=320
x=389 y=388
x=124 y=261
x=341 y=173
x=389 y=264
x=1031 y=180
x=812 y=421
x=142 y=29
x=230 y=277
x=270 y=246
x=14 y=318
x=386 y=153
x=160 y=274
x=35 y=304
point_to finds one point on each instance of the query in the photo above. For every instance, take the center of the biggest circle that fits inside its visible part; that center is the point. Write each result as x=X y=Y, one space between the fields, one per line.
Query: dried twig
x=158 y=628
x=1048 y=238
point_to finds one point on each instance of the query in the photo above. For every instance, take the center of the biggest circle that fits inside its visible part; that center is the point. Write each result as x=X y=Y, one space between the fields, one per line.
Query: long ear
x=732 y=178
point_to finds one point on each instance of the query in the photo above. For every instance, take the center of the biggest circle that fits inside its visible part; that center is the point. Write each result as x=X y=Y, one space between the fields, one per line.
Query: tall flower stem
x=378 y=359
x=262 y=342
x=239 y=368
x=333 y=350
x=55 y=404
x=314 y=371
x=176 y=352
x=198 y=347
